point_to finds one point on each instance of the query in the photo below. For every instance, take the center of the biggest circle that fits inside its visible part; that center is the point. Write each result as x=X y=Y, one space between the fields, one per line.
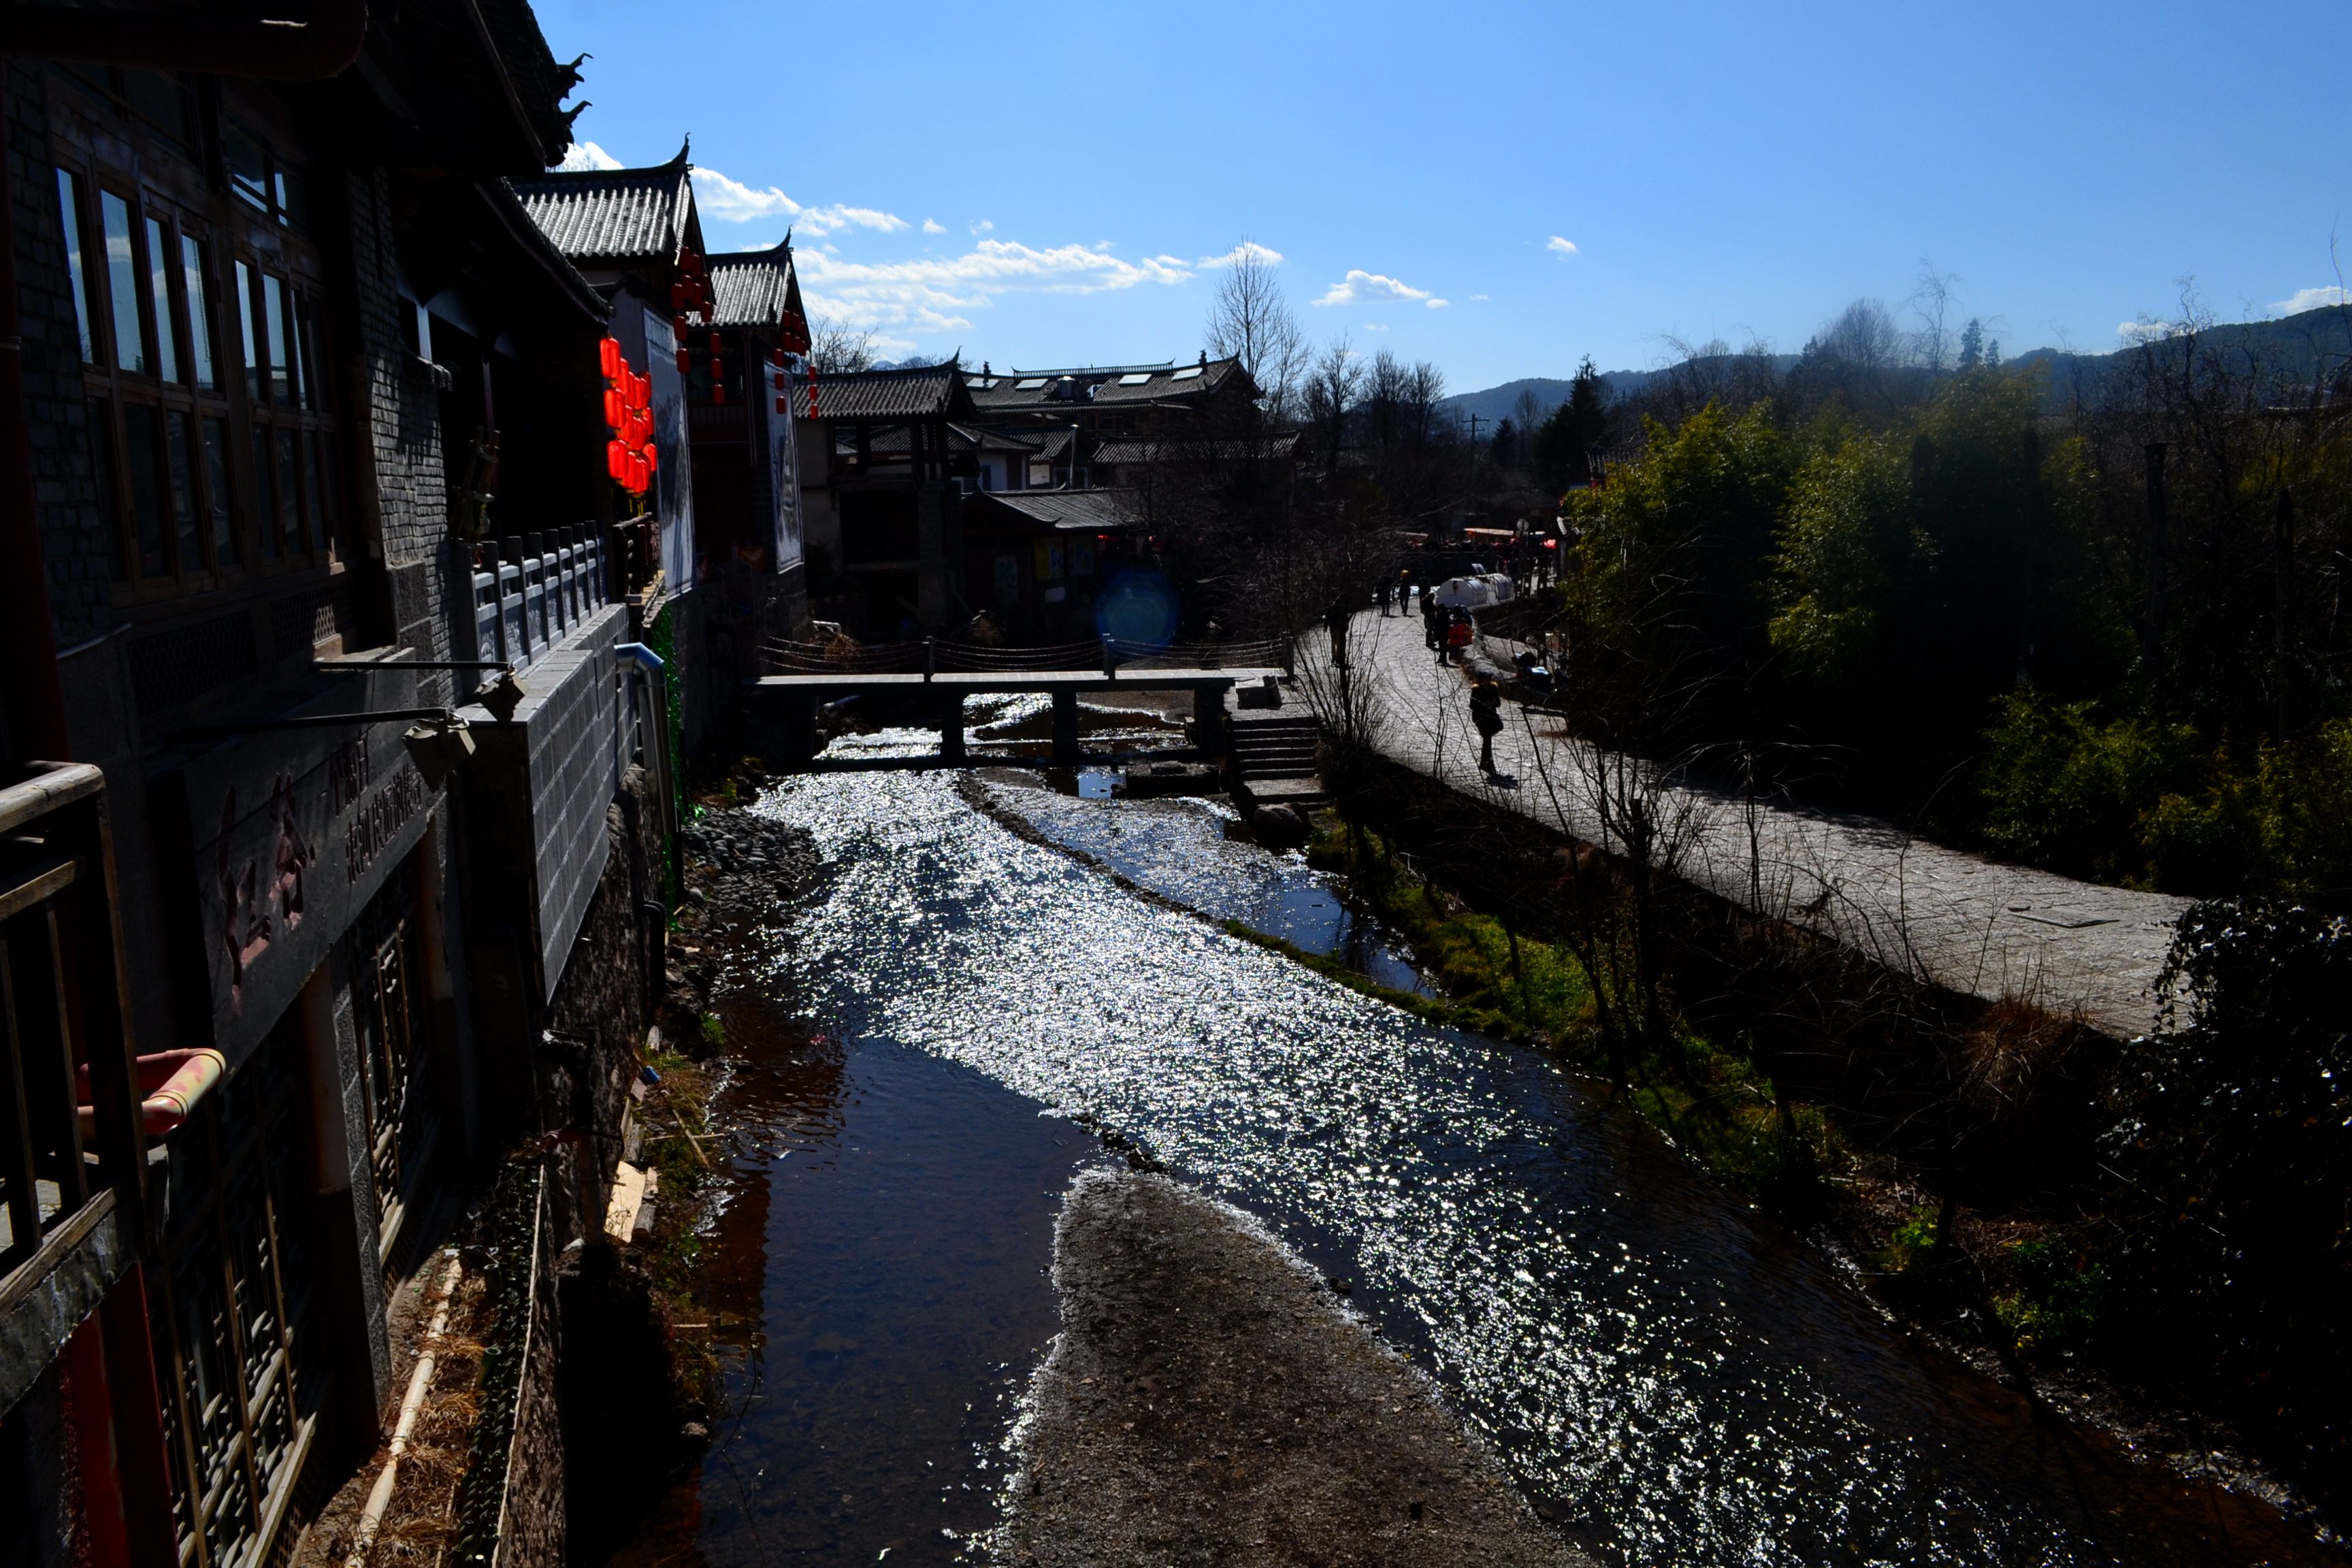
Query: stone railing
x=531 y=592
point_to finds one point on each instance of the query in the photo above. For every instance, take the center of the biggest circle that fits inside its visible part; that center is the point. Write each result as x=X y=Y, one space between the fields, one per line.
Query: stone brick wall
x=404 y=490
x=574 y=740
x=531 y=1528
x=75 y=544
x=604 y=1002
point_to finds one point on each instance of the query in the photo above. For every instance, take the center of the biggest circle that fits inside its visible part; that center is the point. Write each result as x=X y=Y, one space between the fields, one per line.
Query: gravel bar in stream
x=1207 y=1402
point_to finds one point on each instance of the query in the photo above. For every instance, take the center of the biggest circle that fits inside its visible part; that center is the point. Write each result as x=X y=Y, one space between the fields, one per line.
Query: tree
x=1563 y=443
x=1333 y=383
x=838 y=349
x=1250 y=321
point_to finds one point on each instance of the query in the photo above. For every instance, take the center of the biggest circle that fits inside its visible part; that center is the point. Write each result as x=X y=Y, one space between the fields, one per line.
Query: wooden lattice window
x=231 y=1308
x=382 y=955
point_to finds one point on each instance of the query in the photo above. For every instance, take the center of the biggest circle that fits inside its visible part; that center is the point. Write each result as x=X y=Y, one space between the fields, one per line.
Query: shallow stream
x=1666 y=1374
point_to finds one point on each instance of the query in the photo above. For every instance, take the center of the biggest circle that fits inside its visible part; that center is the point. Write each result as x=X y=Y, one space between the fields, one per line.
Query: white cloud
x=2144 y=330
x=930 y=294
x=588 y=156
x=1247 y=250
x=1437 y=304
x=2313 y=299
x=731 y=201
x=1562 y=247
x=1478 y=296
x=1361 y=288
x=982 y=225
x=933 y=225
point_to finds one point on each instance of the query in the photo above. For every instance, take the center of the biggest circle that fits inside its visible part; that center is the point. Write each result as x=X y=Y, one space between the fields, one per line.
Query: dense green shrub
x=2132 y=800
x=2234 y=1143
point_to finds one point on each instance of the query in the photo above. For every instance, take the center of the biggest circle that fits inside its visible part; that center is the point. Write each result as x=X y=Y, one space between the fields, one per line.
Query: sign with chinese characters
x=293 y=831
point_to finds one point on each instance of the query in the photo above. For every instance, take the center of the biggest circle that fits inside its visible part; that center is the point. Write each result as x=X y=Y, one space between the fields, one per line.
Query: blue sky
x=1500 y=189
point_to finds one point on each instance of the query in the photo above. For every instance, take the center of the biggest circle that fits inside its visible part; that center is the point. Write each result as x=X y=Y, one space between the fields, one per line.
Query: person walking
x=1433 y=623
x=1335 y=621
x=1487 y=718
x=1381 y=596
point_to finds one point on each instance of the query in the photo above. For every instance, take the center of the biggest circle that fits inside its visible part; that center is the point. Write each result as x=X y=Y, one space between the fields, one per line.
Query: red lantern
x=782 y=405
x=685 y=361
x=642 y=388
x=615 y=411
x=716 y=347
x=608 y=359
x=652 y=458
x=616 y=461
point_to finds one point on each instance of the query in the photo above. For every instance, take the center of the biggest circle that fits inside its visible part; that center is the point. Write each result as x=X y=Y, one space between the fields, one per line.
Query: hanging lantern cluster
x=690 y=294
x=630 y=457
x=812 y=384
x=784 y=385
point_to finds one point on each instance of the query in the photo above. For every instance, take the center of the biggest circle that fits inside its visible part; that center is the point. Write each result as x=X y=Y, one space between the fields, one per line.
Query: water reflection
x=1671 y=1376
x=877 y=1267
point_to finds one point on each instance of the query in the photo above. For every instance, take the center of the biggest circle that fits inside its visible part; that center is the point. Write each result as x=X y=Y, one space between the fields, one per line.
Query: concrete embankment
x=1208 y=1402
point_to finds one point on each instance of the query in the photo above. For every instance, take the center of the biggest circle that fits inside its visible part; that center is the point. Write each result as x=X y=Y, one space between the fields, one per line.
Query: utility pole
x=1474 y=468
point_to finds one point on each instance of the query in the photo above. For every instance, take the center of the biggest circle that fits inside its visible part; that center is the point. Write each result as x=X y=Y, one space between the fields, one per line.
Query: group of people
x=1448 y=632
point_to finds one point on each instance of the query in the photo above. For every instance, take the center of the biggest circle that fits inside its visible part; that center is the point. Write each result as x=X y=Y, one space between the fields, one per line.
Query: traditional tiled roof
x=541 y=84
x=919 y=392
x=1099 y=386
x=751 y=288
x=961 y=438
x=1065 y=511
x=516 y=220
x=1275 y=445
x=614 y=214
x=981 y=440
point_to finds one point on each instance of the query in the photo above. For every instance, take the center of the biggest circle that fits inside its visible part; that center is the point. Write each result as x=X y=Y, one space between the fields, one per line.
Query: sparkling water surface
x=1661 y=1369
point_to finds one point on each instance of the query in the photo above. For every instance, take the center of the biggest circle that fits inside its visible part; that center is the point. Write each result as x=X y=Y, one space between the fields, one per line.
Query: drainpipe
x=35 y=705
x=260 y=48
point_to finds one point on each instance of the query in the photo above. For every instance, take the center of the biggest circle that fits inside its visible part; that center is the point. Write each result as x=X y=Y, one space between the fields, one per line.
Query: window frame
x=175 y=204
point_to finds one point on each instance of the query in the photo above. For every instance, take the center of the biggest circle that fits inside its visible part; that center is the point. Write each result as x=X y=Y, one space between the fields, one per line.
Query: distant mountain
x=2292 y=352
x=1496 y=404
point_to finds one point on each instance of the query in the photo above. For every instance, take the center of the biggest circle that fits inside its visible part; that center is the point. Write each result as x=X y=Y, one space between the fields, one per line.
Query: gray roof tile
x=614 y=214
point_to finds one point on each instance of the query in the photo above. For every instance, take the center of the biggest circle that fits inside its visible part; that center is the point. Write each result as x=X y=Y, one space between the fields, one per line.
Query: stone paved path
x=1961 y=922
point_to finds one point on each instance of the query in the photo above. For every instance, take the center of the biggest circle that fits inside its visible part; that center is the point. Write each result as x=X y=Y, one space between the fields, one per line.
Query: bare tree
x=1931 y=302
x=837 y=348
x=1334 y=383
x=1528 y=415
x=1864 y=336
x=1250 y=322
